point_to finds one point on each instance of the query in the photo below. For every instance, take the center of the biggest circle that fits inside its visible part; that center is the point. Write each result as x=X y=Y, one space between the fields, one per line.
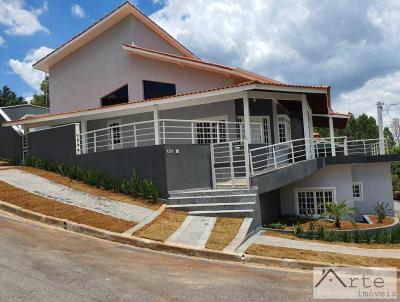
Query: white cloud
x=384 y=89
x=344 y=44
x=25 y=70
x=21 y=21
x=77 y=11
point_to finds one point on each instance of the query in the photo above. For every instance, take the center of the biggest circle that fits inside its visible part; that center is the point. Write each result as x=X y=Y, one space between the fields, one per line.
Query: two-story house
x=217 y=140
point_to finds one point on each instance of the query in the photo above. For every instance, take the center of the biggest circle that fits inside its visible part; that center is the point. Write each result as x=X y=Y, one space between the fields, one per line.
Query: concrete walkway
x=194 y=231
x=325 y=247
x=46 y=188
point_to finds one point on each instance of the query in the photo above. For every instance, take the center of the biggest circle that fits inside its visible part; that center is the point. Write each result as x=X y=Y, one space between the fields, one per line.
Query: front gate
x=230 y=165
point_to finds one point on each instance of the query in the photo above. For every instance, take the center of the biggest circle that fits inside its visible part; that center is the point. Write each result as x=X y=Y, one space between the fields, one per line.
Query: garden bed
x=328 y=257
x=42 y=205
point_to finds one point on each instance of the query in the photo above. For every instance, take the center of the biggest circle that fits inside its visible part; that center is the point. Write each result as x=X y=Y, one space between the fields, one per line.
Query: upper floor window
x=284 y=131
x=118 y=96
x=153 y=90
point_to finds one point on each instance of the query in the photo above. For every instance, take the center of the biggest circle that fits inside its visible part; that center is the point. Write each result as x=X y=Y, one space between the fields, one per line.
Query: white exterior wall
x=101 y=66
x=337 y=176
x=376 y=179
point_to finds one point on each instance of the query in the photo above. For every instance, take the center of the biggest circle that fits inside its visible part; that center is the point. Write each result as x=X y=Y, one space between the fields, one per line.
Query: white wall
x=377 y=185
x=338 y=176
x=376 y=179
x=101 y=66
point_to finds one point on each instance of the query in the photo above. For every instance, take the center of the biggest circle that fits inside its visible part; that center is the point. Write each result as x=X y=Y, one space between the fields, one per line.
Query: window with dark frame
x=153 y=89
x=119 y=96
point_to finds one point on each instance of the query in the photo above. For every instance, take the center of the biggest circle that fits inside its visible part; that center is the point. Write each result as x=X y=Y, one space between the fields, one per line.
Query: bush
x=380 y=209
x=277 y=226
x=133 y=186
x=298 y=230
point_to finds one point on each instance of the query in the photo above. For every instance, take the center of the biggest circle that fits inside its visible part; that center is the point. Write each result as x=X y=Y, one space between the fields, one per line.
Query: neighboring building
x=11 y=138
x=217 y=140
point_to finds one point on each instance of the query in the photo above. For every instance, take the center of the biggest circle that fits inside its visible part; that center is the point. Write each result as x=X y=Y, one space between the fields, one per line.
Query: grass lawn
x=57 y=209
x=339 y=243
x=225 y=229
x=78 y=185
x=328 y=257
x=163 y=226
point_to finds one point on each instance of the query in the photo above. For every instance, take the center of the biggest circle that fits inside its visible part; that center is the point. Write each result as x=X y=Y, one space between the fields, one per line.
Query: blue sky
x=352 y=45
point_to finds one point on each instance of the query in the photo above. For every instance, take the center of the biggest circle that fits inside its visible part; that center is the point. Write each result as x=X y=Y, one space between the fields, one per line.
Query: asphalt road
x=41 y=263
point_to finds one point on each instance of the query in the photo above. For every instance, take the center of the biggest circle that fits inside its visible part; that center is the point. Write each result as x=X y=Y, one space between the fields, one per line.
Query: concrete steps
x=219 y=202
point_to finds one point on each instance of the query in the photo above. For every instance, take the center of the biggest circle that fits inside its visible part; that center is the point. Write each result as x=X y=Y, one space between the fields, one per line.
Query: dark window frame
x=119 y=88
x=146 y=95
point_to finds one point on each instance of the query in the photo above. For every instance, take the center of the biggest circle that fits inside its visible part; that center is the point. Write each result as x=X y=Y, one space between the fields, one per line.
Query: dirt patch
x=80 y=186
x=163 y=226
x=346 y=224
x=338 y=243
x=333 y=258
x=225 y=229
x=57 y=209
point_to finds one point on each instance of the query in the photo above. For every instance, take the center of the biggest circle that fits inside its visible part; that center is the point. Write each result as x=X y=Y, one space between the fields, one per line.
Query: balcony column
x=275 y=120
x=84 y=137
x=156 y=125
x=332 y=136
x=379 y=109
x=306 y=126
x=246 y=117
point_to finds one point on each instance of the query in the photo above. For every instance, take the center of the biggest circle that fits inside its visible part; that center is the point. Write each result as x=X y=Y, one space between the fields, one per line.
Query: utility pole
x=379 y=109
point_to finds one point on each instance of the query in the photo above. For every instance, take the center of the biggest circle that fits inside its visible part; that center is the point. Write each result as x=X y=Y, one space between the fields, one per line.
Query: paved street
x=40 y=263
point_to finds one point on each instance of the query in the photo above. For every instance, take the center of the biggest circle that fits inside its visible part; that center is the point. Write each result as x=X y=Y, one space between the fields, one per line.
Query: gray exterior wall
x=189 y=167
x=376 y=179
x=270 y=206
x=338 y=176
x=101 y=66
x=10 y=142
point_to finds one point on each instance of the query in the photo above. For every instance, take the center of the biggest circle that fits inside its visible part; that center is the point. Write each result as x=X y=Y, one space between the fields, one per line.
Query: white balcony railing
x=169 y=131
x=270 y=158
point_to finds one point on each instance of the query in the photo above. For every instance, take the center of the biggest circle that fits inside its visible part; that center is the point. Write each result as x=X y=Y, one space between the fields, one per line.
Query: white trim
x=312 y=189
x=101 y=26
x=359 y=183
x=7 y=119
x=287 y=124
x=112 y=145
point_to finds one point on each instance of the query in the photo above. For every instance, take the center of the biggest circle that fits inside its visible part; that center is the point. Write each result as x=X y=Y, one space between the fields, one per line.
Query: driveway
x=43 y=263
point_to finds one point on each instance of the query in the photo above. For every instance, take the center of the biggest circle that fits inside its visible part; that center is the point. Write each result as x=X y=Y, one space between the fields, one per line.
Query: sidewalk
x=43 y=187
x=322 y=247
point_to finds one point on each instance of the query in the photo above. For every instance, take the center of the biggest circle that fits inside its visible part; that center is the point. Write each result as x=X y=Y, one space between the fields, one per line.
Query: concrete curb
x=159 y=246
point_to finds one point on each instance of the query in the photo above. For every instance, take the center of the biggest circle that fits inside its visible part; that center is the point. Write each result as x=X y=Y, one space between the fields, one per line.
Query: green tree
x=10 y=98
x=42 y=99
x=337 y=211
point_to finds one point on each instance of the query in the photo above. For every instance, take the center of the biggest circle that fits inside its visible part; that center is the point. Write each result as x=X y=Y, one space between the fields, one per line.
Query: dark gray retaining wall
x=10 y=142
x=171 y=167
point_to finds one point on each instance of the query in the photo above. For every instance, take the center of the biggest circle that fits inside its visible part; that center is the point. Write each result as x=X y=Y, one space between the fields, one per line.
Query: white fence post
x=95 y=142
x=78 y=148
x=134 y=134
x=292 y=149
x=231 y=164
x=163 y=132
x=247 y=162
x=274 y=156
x=345 y=147
x=193 y=133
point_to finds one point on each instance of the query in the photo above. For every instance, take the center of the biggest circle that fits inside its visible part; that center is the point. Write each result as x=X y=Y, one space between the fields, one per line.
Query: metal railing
x=270 y=158
x=166 y=131
x=230 y=164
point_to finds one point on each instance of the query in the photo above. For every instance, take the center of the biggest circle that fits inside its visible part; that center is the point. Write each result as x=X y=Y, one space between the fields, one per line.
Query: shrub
x=337 y=211
x=298 y=230
x=133 y=185
x=381 y=209
x=277 y=226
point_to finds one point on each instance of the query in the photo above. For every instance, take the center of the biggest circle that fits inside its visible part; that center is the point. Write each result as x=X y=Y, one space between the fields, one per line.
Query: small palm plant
x=381 y=209
x=337 y=211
